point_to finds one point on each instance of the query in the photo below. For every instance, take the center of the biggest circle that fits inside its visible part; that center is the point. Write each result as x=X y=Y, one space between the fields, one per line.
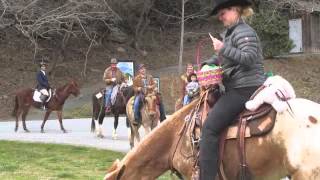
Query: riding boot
x=162 y=112
x=44 y=107
x=43 y=98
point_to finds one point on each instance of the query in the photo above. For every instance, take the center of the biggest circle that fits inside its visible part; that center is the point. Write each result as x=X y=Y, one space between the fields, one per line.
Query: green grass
x=33 y=161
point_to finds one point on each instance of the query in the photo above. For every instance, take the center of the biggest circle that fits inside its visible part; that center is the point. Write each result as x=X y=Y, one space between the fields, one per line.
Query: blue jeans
x=136 y=107
x=108 y=97
x=186 y=100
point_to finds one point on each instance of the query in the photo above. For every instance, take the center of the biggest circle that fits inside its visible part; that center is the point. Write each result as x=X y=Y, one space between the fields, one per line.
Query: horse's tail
x=14 y=112
x=95 y=112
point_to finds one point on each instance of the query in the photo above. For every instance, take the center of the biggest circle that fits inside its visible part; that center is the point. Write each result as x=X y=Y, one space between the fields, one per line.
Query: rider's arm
x=107 y=79
x=137 y=84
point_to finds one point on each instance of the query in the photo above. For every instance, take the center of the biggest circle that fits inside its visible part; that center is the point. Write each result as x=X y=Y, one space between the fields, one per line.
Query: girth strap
x=244 y=174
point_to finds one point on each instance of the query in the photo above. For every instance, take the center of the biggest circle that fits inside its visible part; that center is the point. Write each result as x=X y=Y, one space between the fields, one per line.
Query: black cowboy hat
x=220 y=4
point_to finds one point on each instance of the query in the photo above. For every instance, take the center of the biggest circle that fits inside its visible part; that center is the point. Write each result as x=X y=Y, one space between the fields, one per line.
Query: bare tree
x=59 y=20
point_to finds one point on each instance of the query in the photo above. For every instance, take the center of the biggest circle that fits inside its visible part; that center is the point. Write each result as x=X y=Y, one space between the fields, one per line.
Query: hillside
x=78 y=38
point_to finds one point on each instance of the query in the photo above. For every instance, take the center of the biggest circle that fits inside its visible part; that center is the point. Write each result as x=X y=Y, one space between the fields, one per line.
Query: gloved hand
x=213 y=60
x=113 y=79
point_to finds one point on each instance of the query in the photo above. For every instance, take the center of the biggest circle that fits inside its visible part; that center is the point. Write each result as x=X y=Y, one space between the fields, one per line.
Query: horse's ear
x=114 y=165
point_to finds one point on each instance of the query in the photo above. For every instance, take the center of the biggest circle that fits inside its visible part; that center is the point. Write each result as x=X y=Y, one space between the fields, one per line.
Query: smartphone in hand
x=212 y=38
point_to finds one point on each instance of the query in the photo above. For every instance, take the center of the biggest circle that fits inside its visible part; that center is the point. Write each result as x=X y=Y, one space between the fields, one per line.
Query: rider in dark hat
x=240 y=56
x=43 y=83
x=144 y=84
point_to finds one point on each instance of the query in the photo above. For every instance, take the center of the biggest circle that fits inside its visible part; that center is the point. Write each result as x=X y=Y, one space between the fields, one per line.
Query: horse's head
x=73 y=88
x=127 y=92
x=151 y=101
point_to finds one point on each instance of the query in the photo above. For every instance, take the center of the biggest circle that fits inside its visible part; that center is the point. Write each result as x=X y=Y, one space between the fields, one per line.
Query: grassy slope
x=33 y=161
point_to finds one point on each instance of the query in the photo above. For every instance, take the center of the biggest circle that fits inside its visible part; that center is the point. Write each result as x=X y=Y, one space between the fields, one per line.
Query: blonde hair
x=245 y=12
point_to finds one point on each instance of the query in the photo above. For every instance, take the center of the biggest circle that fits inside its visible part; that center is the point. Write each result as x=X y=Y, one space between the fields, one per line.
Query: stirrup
x=108 y=109
x=135 y=122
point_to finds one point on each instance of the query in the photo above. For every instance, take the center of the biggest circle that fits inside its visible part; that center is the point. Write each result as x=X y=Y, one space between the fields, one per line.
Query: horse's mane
x=172 y=124
x=61 y=88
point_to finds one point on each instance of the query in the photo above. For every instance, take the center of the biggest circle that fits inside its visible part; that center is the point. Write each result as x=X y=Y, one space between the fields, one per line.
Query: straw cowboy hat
x=113 y=61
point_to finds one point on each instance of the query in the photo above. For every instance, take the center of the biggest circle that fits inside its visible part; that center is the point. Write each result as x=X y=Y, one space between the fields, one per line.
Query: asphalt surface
x=78 y=133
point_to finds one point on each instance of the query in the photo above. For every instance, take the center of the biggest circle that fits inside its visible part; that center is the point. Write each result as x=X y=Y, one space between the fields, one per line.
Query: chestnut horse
x=119 y=107
x=24 y=100
x=292 y=149
x=150 y=117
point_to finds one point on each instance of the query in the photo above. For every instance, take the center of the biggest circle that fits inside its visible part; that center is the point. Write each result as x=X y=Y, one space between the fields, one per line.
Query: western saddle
x=247 y=124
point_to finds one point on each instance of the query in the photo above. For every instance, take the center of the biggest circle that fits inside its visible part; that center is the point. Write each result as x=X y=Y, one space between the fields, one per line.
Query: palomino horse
x=291 y=148
x=150 y=117
x=119 y=107
x=24 y=100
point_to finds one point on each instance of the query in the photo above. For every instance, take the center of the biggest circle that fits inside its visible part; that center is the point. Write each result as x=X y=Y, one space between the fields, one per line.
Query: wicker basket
x=209 y=77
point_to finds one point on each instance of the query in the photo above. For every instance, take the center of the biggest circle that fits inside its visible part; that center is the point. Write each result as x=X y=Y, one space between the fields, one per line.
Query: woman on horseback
x=240 y=56
x=43 y=83
x=112 y=77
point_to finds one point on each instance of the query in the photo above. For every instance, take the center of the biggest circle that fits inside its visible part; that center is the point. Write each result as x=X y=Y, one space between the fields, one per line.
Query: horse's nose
x=152 y=114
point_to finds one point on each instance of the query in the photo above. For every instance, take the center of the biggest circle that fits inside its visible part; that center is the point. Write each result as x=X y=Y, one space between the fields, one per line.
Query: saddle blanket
x=37 y=94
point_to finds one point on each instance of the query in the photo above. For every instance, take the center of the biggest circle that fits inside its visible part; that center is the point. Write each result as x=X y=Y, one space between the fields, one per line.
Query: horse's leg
x=46 y=116
x=131 y=137
x=115 y=126
x=23 y=117
x=136 y=134
x=128 y=126
x=99 y=123
x=146 y=130
x=59 y=114
x=18 y=113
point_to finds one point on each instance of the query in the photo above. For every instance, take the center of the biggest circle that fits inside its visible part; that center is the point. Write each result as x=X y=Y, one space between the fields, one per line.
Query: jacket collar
x=230 y=29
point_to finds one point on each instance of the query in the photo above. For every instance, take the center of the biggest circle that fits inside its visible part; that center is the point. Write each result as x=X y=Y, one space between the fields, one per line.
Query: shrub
x=273 y=30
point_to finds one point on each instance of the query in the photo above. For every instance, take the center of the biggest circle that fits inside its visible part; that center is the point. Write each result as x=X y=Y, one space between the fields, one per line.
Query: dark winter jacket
x=241 y=57
x=42 y=80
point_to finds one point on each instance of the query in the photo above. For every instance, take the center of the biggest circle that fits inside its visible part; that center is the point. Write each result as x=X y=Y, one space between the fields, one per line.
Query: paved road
x=78 y=133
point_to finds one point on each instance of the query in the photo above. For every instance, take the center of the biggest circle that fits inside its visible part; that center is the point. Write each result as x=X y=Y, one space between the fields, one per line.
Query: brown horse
x=150 y=116
x=24 y=100
x=119 y=107
x=292 y=148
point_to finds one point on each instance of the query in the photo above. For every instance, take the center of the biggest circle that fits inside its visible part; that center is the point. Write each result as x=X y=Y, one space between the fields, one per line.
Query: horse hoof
x=42 y=131
x=114 y=137
x=100 y=136
x=26 y=130
x=16 y=130
x=64 y=131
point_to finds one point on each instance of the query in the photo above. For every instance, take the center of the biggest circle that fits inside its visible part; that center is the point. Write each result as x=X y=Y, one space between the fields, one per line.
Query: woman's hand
x=217 y=44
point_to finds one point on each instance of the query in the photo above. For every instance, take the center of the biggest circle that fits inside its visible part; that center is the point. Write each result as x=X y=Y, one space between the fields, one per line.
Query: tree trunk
x=181 y=38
